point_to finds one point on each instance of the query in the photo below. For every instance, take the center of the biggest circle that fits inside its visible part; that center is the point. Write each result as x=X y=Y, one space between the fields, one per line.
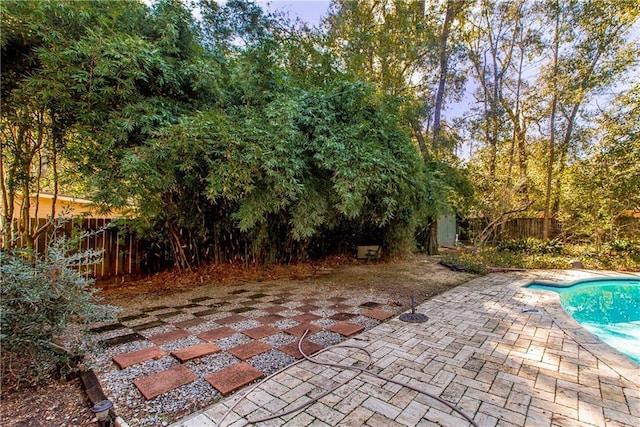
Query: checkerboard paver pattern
x=190 y=331
x=505 y=355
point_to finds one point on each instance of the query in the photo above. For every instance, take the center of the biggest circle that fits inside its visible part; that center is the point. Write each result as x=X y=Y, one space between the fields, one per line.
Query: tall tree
x=590 y=51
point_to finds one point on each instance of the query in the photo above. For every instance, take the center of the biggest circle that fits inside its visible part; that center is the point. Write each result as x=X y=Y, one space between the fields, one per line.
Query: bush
x=41 y=297
x=623 y=247
x=531 y=245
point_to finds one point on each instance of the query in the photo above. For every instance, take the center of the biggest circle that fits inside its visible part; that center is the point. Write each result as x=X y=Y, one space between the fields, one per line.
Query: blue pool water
x=608 y=308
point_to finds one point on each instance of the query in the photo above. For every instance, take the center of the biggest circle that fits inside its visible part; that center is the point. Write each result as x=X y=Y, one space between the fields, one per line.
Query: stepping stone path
x=242 y=326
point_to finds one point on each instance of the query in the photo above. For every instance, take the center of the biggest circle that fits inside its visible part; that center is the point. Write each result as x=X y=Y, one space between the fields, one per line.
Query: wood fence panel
x=123 y=254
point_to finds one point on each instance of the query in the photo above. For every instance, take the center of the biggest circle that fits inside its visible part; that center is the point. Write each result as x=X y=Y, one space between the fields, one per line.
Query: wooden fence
x=123 y=253
x=514 y=228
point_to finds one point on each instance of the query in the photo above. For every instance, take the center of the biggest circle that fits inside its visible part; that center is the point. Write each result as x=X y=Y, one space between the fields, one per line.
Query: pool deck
x=503 y=354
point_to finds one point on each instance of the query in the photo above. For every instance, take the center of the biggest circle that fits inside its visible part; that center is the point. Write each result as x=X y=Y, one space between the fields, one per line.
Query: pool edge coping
x=613 y=358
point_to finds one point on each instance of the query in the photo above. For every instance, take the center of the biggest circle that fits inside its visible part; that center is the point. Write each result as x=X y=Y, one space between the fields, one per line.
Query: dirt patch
x=64 y=404
x=61 y=404
x=417 y=275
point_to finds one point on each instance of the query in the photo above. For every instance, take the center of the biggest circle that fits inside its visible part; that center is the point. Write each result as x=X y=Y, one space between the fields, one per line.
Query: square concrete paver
x=308 y=347
x=299 y=330
x=234 y=318
x=234 y=377
x=378 y=314
x=306 y=317
x=195 y=351
x=127 y=359
x=261 y=332
x=346 y=329
x=216 y=334
x=168 y=336
x=157 y=384
x=270 y=318
x=250 y=349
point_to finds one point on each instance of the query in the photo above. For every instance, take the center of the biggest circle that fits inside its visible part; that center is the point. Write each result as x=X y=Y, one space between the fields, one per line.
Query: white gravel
x=231 y=341
x=206 y=326
x=279 y=340
x=325 y=338
x=286 y=323
x=245 y=324
x=210 y=364
x=157 y=330
x=180 y=344
x=324 y=323
x=271 y=361
x=367 y=322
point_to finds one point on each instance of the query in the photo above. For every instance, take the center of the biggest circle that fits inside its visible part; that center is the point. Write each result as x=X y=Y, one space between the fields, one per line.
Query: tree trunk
x=552 y=134
x=452 y=9
x=431 y=238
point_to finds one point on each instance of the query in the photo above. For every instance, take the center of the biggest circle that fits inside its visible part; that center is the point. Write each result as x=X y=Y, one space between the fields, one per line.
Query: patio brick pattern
x=254 y=316
x=505 y=355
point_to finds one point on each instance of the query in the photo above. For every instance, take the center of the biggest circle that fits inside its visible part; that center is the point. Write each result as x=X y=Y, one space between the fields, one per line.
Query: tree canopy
x=241 y=135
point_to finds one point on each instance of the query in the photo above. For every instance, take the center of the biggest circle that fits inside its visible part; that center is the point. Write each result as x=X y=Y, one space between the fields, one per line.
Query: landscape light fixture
x=101 y=409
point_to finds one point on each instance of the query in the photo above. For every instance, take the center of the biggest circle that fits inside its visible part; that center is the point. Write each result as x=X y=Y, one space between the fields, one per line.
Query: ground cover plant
x=620 y=255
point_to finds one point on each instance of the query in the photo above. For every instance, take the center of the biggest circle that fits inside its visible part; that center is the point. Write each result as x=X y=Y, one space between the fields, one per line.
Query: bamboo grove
x=233 y=134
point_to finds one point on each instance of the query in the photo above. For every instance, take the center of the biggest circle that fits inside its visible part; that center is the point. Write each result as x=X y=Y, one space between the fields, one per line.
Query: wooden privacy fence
x=514 y=228
x=123 y=253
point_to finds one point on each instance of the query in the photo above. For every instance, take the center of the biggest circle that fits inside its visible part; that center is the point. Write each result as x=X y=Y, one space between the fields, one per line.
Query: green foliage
x=532 y=246
x=42 y=295
x=624 y=247
x=535 y=254
x=462 y=261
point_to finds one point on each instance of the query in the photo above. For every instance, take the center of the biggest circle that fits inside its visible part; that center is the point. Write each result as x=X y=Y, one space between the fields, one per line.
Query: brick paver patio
x=503 y=354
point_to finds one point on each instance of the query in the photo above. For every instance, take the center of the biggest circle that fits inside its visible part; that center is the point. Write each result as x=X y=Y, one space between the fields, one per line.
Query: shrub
x=531 y=245
x=42 y=295
x=623 y=247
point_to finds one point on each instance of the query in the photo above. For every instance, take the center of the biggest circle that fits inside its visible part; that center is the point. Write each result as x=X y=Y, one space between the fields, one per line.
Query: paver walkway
x=503 y=354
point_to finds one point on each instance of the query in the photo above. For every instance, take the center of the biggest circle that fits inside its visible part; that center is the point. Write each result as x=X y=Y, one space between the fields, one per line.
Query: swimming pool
x=608 y=308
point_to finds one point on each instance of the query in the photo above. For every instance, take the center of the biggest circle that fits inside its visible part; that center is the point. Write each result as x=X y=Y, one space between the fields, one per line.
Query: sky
x=310 y=11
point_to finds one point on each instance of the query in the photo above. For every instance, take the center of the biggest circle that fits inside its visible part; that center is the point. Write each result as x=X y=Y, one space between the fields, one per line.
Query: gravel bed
x=215 y=316
x=271 y=361
x=286 y=323
x=262 y=305
x=117 y=379
x=326 y=338
x=324 y=323
x=161 y=311
x=324 y=312
x=245 y=324
x=182 y=343
x=111 y=334
x=157 y=330
x=179 y=318
x=367 y=322
x=100 y=359
x=279 y=340
x=178 y=402
x=109 y=352
x=255 y=313
x=232 y=341
x=206 y=326
x=293 y=304
x=210 y=364
x=290 y=313
x=136 y=322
